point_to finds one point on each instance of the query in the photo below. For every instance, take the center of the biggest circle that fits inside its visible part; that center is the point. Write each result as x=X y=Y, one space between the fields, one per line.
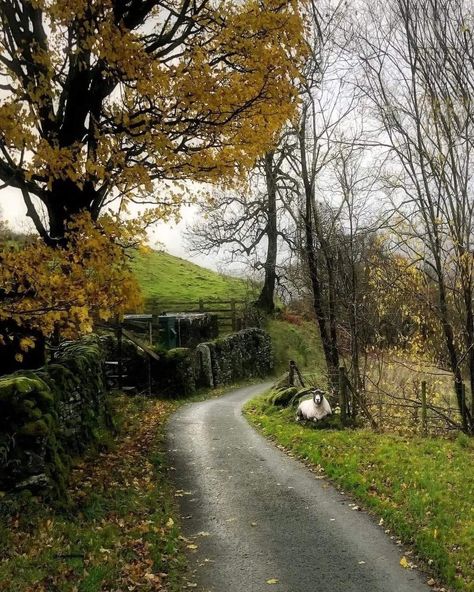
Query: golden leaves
x=66 y=288
x=15 y=125
x=404 y=562
x=206 y=114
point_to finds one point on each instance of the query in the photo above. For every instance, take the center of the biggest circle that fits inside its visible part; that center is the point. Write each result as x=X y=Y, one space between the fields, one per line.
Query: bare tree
x=416 y=63
x=325 y=106
x=249 y=224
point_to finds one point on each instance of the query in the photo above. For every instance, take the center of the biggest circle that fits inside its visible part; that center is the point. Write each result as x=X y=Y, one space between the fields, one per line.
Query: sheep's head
x=318 y=396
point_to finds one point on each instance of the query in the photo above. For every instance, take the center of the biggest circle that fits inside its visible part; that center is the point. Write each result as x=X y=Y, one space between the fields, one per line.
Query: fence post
x=424 y=417
x=472 y=410
x=300 y=378
x=119 y=355
x=343 y=394
x=201 y=305
x=291 y=374
x=463 y=404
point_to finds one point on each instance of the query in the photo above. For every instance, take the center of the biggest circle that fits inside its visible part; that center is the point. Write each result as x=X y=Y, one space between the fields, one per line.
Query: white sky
x=12 y=209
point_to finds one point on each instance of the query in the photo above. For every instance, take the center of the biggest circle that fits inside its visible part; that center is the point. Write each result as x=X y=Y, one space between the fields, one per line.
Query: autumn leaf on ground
x=404 y=562
x=272 y=581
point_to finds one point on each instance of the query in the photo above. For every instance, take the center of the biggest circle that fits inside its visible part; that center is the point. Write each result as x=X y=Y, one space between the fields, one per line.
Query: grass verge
x=299 y=342
x=422 y=488
x=118 y=530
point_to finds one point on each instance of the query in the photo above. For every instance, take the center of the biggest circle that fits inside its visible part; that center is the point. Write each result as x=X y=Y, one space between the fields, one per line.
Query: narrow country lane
x=256 y=514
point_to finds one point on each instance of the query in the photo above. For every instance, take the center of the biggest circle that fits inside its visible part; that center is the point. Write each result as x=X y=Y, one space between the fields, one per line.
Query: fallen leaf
x=151 y=577
x=272 y=581
x=170 y=522
x=193 y=547
x=404 y=562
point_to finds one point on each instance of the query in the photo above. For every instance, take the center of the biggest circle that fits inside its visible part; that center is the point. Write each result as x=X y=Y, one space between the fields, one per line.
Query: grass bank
x=118 y=530
x=161 y=275
x=422 y=488
x=296 y=341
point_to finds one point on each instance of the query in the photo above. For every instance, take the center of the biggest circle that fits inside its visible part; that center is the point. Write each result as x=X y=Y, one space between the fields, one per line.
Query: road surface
x=258 y=520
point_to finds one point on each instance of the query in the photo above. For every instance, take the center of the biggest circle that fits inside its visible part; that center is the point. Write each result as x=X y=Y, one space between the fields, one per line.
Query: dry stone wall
x=245 y=354
x=49 y=415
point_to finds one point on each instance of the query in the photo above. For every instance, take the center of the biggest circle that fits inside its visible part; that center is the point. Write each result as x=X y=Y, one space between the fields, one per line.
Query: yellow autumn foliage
x=107 y=101
x=67 y=289
x=117 y=96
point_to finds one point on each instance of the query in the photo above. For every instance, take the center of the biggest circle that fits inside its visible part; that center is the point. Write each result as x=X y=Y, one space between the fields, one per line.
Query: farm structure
x=231 y=314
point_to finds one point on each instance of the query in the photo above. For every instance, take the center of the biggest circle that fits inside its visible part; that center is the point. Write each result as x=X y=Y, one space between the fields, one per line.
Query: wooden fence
x=229 y=312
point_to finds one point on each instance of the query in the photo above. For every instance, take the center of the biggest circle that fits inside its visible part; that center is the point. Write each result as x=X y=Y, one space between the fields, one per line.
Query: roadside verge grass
x=423 y=488
x=118 y=531
x=299 y=342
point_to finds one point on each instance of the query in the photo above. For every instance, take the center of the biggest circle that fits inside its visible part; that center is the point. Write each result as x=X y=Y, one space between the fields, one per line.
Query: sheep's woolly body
x=310 y=410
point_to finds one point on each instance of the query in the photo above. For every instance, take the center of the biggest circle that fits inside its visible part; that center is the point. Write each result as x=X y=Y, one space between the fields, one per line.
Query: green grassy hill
x=164 y=276
x=170 y=278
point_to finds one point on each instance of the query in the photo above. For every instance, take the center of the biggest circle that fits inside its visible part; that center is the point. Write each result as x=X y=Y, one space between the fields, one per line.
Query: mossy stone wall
x=237 y=356
x=49 y=415
x=174 y=373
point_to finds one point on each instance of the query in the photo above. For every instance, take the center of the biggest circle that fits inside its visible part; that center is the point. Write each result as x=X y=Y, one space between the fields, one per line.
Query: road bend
x=258 y=520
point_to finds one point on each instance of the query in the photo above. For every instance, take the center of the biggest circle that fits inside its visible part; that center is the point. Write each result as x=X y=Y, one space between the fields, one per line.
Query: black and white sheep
x=315 y=408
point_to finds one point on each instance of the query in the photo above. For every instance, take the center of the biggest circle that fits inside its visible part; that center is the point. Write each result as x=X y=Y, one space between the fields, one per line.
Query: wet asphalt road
x=256 y=514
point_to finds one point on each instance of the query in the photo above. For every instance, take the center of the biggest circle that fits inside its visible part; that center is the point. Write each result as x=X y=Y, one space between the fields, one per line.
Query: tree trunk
x=332 y=299
x=310 y=251
x=317 y=301
x=64 y=201
x=469 y=341
x=266 y=299
x=452 y=353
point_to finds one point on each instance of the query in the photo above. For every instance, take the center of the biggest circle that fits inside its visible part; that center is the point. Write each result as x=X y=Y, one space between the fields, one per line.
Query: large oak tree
x=124 y=100
x=101 y=99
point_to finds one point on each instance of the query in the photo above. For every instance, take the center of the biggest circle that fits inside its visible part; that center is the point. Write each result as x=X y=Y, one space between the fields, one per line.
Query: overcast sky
x=170 y=235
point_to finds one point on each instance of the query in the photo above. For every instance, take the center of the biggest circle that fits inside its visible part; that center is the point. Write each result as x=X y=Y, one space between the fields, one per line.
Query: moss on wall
x=237 y=356
x=244 y=354
x=174 y=373
x=49 y=415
